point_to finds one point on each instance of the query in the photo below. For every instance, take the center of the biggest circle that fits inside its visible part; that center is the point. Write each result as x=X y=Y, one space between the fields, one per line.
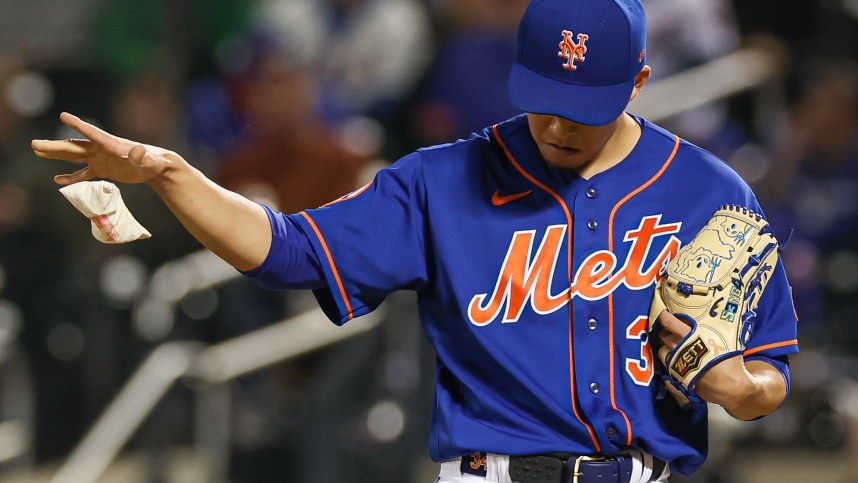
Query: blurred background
x=155 y=362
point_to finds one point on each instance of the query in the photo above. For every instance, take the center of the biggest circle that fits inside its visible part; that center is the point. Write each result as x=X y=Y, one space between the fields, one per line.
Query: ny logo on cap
x=571 y=51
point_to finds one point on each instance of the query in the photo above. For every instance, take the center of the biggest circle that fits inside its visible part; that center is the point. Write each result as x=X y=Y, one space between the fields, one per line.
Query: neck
x=619 y=145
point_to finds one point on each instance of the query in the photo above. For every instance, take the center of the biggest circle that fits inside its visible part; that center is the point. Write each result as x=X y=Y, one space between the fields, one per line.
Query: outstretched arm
x=747 y=390
x=233 y=227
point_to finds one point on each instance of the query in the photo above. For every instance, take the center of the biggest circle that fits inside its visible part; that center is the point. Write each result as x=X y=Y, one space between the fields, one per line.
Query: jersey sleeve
x=371 y=242
x=781 y=363
x=291 y=262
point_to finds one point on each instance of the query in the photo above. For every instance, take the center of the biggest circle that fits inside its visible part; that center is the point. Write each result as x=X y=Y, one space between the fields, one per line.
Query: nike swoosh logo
x=499 y=200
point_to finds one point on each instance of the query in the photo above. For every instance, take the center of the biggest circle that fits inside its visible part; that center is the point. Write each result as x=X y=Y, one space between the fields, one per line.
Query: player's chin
x=563 y=157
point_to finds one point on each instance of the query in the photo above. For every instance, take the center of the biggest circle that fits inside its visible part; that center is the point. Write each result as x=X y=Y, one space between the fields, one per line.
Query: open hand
x=105 y=155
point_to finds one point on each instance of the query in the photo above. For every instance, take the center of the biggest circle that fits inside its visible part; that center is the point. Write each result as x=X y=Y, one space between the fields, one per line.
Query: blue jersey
x=534 y=286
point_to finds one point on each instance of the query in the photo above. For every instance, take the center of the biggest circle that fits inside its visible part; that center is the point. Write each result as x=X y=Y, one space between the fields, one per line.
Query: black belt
x=563 y=468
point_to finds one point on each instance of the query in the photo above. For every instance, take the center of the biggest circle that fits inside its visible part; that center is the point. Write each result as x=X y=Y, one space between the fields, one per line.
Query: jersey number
x=640 y=370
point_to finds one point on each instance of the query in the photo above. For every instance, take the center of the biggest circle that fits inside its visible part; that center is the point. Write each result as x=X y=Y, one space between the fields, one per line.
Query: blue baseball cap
x=578 y=59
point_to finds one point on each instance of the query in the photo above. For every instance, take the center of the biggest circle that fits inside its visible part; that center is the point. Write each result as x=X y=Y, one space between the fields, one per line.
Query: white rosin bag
x=101 y=202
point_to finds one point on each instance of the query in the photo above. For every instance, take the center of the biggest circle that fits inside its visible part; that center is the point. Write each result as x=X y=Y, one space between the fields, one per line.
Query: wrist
x=745 y=391
x=174 y=169
x=741 y=391
x=729 y=385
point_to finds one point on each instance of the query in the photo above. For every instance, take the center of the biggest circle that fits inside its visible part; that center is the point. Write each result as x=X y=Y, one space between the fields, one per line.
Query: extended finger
x=91 y=132
x=673 y=324
x=669 y=339
x=80 y=175
x=69 y=149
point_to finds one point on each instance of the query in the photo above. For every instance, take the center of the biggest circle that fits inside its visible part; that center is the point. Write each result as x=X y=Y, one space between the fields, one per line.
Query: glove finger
x=663 y=352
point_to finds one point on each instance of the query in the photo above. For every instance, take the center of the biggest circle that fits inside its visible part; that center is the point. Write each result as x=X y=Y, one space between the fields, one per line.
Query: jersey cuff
x=269 y=258
x=334 y=300
x=291 y=262
x=773 y=350
x=781 y=363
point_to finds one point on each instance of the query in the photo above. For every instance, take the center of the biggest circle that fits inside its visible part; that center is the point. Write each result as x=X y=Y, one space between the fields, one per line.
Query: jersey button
x=590 y=193
x=610 y=432
x=594 y=387
x=592 y=324
x=592 y=224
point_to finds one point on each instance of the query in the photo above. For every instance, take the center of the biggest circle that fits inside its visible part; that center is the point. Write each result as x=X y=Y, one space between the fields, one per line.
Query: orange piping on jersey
x=611 y=295
x=569 y=275
x=348 y=196
x=332 y=264
x=769 y=346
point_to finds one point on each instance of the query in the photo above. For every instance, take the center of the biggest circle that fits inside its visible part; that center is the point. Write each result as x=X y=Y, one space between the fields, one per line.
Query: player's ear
x=640 y=80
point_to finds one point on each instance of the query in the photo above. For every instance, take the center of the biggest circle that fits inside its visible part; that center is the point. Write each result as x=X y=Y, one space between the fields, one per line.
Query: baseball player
x=534 y=247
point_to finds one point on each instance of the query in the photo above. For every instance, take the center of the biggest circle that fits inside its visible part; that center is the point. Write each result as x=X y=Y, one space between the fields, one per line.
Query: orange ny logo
x=571 y=51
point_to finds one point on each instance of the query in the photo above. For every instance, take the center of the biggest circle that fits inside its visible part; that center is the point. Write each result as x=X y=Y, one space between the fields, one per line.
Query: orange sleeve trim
x=349 y=196
x=331 y=263
x=568 y=214
x=769 y=346
x=616 y=208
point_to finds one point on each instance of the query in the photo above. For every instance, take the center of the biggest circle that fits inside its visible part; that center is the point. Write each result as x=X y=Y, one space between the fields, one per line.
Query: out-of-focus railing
x=743 y=70
x=17 y=397
x=211 y=369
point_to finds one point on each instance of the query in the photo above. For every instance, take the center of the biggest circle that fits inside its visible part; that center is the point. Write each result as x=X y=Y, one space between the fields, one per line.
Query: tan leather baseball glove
x=714 y=284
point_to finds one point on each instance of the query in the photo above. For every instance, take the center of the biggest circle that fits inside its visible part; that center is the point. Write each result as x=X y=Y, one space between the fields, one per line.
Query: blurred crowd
x=297 y=102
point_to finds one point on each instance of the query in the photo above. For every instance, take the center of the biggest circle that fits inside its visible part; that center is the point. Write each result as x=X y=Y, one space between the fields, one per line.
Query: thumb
x=137 y=154
x=84 y=174
x=148 y=161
